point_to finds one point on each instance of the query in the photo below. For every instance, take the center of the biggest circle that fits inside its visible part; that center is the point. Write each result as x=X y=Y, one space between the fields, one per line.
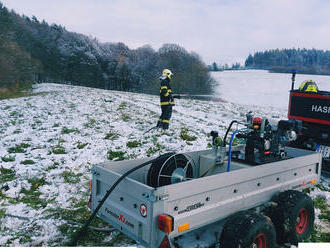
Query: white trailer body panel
x=199 y=202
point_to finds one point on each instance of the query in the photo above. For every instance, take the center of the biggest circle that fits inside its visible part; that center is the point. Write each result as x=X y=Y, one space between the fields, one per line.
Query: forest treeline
x=308 y=61
x=218 y=67
x=34 y=51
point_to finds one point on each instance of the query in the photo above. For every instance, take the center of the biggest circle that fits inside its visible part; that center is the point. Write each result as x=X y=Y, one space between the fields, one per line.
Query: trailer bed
x=133 y=207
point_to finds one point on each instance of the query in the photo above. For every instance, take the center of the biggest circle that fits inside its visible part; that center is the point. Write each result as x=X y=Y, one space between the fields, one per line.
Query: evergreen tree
x=305 y=61
x=215 y=67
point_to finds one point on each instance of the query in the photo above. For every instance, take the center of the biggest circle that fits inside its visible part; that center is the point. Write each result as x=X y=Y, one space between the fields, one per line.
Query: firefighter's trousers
x=164 y=119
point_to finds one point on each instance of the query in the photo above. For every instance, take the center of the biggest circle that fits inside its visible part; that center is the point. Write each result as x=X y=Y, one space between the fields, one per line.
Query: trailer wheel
x=171 y=169
x=248 y=230
x=293 y=217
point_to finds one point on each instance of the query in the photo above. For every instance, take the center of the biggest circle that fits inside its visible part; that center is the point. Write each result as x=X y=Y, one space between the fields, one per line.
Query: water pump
x=265 y=142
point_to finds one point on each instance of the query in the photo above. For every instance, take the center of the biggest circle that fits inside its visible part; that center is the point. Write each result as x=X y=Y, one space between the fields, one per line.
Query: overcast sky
x=224 y=31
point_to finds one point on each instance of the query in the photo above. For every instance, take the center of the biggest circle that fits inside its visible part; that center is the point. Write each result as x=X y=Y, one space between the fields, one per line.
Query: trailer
x=183 y=196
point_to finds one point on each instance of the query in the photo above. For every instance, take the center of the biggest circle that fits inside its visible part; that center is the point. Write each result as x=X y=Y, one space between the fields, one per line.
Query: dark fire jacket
x=166 y=97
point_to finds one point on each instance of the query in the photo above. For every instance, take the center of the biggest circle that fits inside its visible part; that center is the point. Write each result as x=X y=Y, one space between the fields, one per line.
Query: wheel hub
x=302 y=221
x=260 y=241
x=178 y=175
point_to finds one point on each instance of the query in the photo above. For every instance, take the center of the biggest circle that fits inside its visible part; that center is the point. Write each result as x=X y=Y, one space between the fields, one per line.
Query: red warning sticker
x=143 y=210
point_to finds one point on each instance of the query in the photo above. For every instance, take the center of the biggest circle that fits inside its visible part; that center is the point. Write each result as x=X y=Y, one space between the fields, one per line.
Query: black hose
x=83 y=230
x=228 y=129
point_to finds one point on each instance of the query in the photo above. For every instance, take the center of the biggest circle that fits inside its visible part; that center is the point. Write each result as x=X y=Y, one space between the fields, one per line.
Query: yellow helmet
x=308 y=86
x=167 y=73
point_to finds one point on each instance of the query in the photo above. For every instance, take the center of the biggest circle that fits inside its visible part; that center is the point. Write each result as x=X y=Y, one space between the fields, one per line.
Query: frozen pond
x=259 y=87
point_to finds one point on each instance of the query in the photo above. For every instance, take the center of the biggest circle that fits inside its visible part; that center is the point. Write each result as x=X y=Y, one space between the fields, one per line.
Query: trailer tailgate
x=129 y=206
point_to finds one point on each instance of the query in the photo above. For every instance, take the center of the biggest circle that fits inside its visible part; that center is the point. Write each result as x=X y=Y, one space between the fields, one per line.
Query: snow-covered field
x=50 y=140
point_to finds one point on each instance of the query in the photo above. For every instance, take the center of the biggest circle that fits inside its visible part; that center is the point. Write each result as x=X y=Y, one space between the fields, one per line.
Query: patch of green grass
x=28 y=161
x=53 y=166
x=90 y=123
x=79 y=212
x=133 y=144
x=8 y=158
x=18 y=148
x=38 y=122
x=321 y=187
x=70 y=177
x=6 y=175
x=81 y=145
x=66 y=130
x=185 y=136
x=20 y=92
x=31 y=197
x=25 y=239
x=36 y=182
x=318 y=236
x=111 y=136
x=2 y=213
x=58 y=149
x=13 y=114
x=117 y=155
x=122 y=106
x=17 y=131
x=125 y=117
x=321 y=204
x=155 y=148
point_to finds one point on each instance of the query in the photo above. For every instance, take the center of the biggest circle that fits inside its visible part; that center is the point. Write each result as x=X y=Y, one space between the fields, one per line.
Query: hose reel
x=173 y=168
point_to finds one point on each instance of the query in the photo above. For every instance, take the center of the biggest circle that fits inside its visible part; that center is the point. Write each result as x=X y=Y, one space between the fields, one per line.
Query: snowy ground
x=49 y=141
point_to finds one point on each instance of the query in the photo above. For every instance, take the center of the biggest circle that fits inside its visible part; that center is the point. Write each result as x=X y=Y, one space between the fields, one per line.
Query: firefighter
x=166 y=99
x=308 y=86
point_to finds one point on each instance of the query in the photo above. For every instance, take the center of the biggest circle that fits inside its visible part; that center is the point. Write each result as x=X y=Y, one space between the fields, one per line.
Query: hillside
x=50 y=53
x=49 y=141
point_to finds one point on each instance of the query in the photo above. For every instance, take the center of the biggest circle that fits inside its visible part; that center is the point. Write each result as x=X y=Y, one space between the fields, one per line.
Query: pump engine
x=265 y=142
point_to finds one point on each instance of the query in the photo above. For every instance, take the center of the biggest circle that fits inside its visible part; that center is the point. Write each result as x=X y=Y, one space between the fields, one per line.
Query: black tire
x=293 y=217
x=245 y=230
x=161 y=172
